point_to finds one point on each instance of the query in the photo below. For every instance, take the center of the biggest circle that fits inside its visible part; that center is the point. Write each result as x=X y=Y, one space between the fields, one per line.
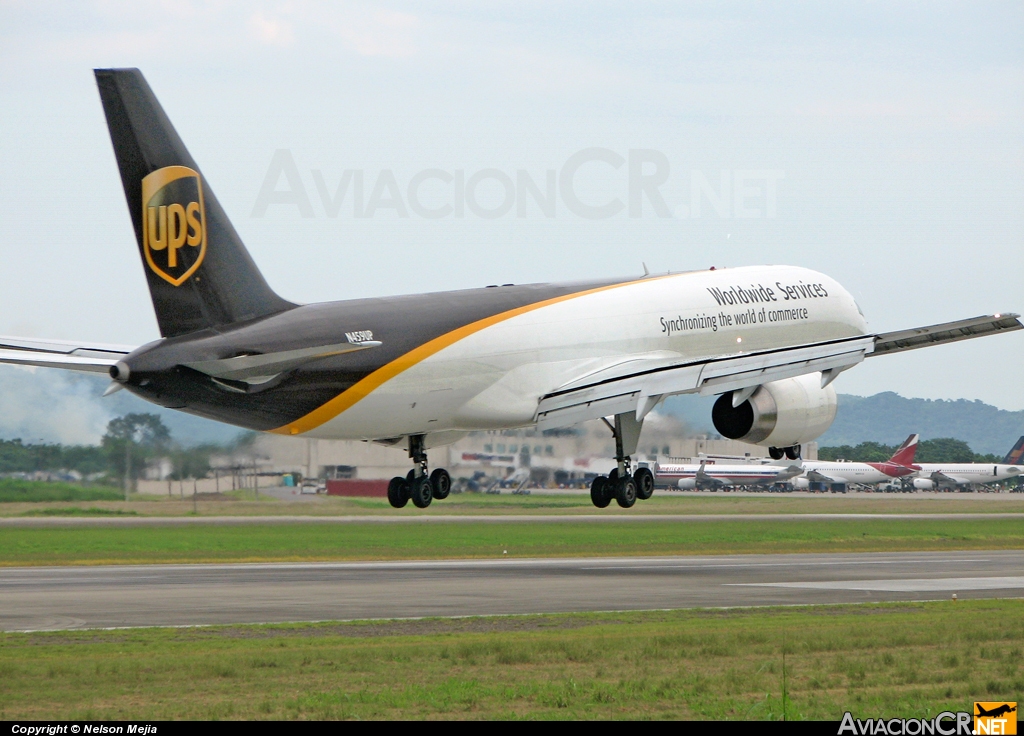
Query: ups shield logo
x=173 y=223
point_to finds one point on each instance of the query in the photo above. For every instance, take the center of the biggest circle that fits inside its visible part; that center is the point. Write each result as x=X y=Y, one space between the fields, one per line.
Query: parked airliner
x=838 y=475
x=931 y=476
x=711 y=474
x=419 y=371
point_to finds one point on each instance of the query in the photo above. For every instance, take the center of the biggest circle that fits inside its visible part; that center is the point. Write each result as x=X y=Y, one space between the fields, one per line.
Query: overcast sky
x=881 y=143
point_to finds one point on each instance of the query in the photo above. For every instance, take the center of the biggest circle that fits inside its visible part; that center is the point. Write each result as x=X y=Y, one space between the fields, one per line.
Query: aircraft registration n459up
x=419 y=371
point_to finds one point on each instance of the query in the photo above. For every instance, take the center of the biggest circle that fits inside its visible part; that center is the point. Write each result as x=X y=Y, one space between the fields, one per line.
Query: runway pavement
x=175 y=595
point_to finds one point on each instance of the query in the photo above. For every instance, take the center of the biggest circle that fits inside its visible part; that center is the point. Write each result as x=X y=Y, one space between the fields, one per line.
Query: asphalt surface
x=182 y=595
x=590 y=517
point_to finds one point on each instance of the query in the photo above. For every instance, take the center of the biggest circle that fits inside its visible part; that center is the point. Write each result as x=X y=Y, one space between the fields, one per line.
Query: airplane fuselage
x=686 y=476
x=481 y=359
x=950 y=474
x=852 y=472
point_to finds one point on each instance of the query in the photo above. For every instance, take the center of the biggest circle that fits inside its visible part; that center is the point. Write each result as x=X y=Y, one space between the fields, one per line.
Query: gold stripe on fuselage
x=363 y=388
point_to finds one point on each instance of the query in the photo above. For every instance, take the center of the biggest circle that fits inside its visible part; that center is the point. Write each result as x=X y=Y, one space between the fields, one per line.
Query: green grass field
x=24 y=491
x=374 y=541
x=245 y=503
x=888 y=660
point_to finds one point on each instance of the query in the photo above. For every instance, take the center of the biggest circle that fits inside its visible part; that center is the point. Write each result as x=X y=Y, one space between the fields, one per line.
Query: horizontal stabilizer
x=256 y=368
x=75 y=356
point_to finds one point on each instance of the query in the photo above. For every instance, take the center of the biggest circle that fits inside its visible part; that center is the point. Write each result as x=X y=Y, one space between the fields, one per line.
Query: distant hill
x=888 y=418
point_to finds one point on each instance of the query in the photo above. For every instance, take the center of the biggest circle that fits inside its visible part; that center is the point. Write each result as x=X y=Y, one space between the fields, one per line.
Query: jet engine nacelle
x=686 y=484
x=779 y=414
x=923 y=484
x=800 y=483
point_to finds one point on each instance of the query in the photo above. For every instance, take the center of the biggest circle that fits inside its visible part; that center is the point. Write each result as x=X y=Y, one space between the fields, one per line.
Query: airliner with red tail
x=834 y=473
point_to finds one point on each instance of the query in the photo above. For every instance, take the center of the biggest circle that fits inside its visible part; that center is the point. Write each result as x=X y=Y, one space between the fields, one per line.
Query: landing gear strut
x=418 y=486
x=622 y=484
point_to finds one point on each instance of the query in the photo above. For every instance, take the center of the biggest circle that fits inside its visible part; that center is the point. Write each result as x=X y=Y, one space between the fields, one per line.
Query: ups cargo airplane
x=421 y=370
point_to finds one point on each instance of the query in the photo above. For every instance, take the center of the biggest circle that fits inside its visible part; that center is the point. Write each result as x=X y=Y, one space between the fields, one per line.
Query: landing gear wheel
x=793 y=453
x=625 y=492
x=599 y=495
x=776 y=453
x=644 y=480
x=441 y=483
x=398 y=492
x=421 y=491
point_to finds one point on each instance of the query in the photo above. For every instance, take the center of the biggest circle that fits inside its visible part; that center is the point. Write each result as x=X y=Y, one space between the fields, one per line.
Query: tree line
x=939 y=450
x=121 y=458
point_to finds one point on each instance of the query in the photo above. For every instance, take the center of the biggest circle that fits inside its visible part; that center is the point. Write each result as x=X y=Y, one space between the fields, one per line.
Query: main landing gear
x=621 y=484
x=791 y=453
x=418 y=486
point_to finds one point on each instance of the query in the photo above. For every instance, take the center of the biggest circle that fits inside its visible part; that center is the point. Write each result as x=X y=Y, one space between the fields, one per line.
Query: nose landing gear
x=418 y=486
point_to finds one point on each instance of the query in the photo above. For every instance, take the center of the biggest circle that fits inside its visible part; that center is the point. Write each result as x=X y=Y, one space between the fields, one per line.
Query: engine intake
x=779 y=414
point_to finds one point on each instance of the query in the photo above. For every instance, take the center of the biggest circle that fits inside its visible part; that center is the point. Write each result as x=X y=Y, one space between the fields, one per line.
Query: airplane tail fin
x=200 y=274
x=904 y=455
x=1016 y=455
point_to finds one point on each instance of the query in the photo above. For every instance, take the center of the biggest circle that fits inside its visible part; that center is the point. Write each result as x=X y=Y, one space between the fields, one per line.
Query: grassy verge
x=78 y=511
x=295 y=542
x=889 y=660
x=24 y=491
x=245 y=503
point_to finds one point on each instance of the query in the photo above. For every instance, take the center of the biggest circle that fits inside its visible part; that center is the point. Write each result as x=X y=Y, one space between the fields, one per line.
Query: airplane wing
x=702 y=478
x=964 y=329
x=941 y=479
x=787 y=473
x=75 y=356
x=638 y=385
x=816 y=477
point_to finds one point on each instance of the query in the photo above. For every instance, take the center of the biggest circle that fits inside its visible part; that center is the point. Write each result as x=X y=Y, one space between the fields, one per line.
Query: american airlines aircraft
x=688 y=476
x=930 y=476
x=833 y=474
x=421 y=370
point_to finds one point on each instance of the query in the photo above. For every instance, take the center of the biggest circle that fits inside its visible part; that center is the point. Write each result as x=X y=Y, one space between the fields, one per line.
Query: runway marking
x=771 y=564
x=19 y=576
x=17 y=573
x=909 y=585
